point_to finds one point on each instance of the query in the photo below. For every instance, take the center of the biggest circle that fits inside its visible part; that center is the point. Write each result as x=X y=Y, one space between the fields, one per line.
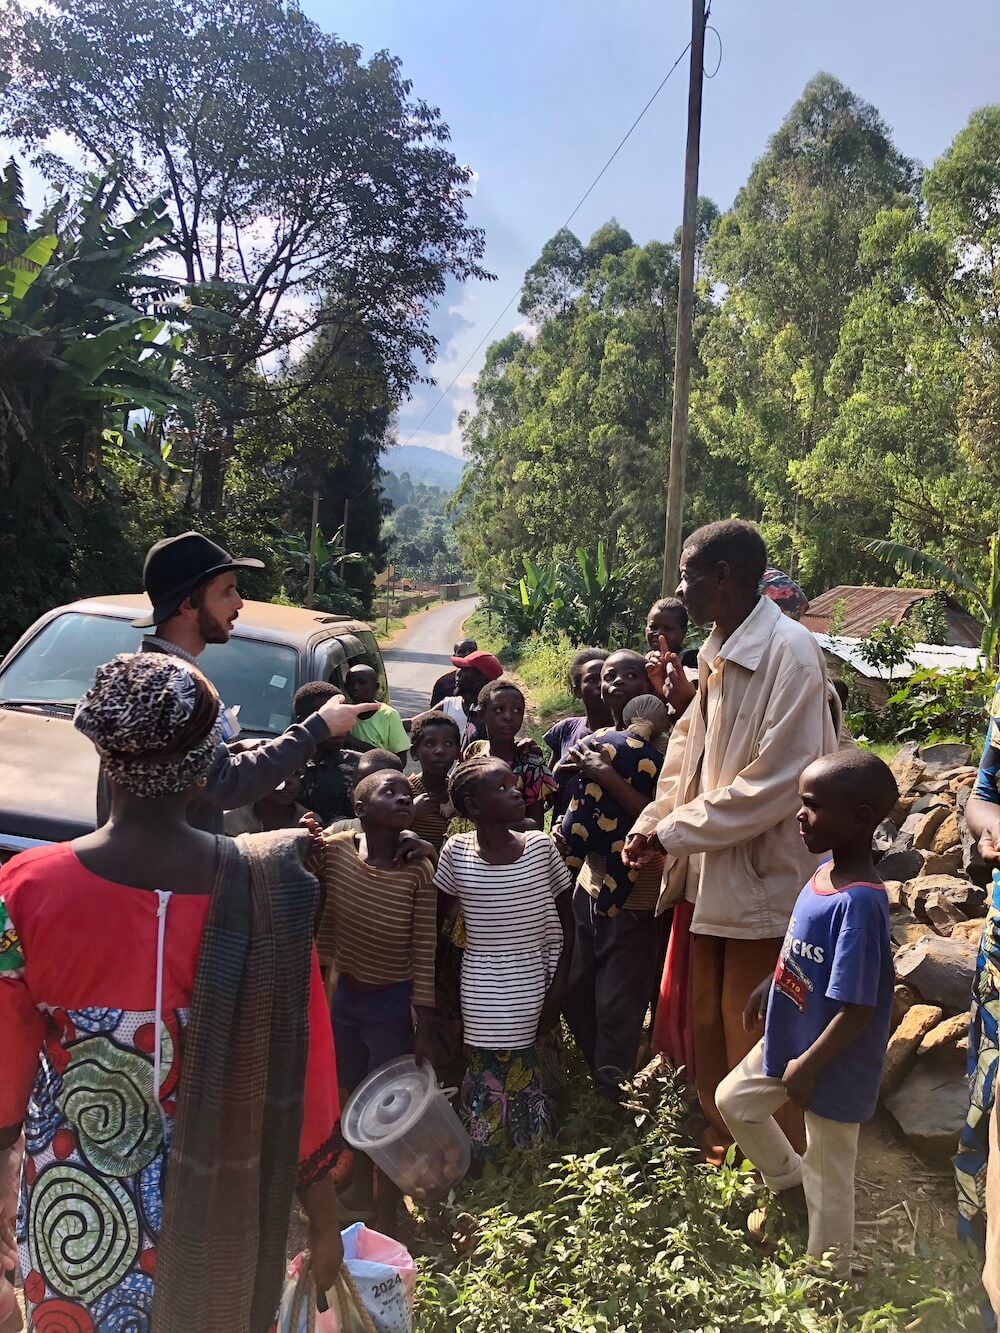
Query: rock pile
x=937 y=886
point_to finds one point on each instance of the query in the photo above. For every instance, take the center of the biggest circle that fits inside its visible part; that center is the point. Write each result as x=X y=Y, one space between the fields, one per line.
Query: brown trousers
x=723 y=973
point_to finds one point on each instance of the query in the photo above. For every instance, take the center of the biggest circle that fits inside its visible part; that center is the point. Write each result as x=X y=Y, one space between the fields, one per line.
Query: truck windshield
x=58 y=666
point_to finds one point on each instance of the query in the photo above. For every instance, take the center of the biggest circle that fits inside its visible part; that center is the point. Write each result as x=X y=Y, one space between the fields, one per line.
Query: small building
x=861 y=609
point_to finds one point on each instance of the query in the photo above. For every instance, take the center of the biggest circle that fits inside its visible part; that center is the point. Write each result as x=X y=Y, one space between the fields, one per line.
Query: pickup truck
x=48 y=771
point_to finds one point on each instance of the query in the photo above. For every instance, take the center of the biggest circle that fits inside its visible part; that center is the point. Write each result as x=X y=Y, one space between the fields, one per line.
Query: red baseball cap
x=485 y=663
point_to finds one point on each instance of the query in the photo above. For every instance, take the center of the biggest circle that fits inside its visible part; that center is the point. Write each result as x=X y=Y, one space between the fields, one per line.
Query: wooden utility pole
x=311 y=587
x=685 y=308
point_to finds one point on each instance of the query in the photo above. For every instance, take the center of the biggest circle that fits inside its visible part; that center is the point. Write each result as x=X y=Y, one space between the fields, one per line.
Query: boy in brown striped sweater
x=378 y=931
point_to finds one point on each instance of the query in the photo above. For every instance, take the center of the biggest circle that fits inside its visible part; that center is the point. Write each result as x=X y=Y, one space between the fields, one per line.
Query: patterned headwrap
x=155 y=721
x=783 y=590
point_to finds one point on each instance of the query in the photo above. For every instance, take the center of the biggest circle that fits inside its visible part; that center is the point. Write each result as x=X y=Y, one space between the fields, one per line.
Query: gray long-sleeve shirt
x=238 y=779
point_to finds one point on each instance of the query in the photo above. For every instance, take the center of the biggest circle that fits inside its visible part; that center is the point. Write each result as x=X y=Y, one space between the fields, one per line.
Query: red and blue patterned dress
x=78 y=982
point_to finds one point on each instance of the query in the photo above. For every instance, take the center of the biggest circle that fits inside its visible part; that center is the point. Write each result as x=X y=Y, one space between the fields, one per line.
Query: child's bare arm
x=755 y=1009
x=800 y=1075
x=556 y=994
x=594 y=766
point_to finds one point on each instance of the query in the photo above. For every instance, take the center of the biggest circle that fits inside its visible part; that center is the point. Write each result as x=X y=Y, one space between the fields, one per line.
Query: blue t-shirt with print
x=836 y=951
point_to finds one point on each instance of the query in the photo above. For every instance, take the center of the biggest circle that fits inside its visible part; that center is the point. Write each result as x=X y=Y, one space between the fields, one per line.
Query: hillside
x=430 y=466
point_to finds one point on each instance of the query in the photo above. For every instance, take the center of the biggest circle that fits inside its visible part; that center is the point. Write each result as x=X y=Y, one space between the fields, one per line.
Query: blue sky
x=538 y=93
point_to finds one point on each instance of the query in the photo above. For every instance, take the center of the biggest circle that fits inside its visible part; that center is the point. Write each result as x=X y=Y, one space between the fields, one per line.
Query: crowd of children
x=457 y=929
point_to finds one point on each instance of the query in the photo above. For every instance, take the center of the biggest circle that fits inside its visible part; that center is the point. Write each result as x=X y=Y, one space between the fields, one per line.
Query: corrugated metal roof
x=864 y=608
x=943 y=657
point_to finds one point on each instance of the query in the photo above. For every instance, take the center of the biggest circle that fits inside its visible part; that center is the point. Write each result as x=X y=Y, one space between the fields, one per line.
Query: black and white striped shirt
x=513 y=933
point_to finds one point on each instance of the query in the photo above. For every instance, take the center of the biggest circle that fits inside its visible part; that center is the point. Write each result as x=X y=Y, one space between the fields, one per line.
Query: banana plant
x=598 y=598
x=524 y=605
x=331 y=591
x=984 y=602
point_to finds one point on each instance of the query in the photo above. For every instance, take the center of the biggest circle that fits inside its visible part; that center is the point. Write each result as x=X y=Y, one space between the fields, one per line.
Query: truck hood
x=48 y=777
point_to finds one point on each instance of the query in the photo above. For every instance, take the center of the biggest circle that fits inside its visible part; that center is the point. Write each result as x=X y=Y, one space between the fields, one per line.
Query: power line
x=580 y=202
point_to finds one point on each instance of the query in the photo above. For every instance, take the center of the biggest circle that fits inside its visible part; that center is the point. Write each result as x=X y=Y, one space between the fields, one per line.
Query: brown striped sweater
x=378 y=926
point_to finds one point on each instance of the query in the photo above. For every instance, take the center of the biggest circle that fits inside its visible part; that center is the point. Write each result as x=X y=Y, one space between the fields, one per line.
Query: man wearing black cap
x=191 y=583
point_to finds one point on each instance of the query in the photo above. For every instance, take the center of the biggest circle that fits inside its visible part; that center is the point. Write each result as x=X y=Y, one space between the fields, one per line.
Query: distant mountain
x=430 y=466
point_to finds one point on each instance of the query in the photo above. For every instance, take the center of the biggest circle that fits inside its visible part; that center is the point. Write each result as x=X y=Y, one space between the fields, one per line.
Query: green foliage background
x=844 y=388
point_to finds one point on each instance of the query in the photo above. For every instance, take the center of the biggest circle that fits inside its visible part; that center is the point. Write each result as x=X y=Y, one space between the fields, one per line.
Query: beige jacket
x=729 y=787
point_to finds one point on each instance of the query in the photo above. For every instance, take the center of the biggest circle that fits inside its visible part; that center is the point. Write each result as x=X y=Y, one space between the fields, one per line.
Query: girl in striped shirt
x=513 y=890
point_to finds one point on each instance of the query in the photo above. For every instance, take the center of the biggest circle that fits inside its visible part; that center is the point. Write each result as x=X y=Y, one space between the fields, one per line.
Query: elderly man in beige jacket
x=728 y=794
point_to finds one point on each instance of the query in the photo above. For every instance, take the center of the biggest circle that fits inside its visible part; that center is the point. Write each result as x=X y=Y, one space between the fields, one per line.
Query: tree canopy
x=844 y=385
x=310 y=191
x=227 y=301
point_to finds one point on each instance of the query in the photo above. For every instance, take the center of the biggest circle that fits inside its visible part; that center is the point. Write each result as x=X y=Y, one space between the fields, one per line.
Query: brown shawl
x=231 y=1171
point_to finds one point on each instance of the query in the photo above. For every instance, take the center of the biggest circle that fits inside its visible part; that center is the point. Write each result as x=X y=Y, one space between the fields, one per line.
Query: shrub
x=620 y=1228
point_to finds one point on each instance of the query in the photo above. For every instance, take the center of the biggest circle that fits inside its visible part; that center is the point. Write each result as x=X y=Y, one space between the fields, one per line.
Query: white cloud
x=441 y=431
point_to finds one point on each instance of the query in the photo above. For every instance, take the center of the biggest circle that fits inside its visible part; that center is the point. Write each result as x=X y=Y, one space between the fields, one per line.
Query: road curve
x=422 y=652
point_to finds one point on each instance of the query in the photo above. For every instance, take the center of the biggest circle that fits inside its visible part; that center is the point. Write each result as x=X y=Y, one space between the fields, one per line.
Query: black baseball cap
x=176 y=566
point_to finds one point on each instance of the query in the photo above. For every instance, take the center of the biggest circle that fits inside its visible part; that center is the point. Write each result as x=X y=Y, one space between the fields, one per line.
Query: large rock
x=929 y=1106
x=970 y=931
x=903 y=999
x=908 y=769
x=903 y=840
x=902 y=865
x=921 y=804
x=902 y=1050
x=904 y=928
x=943 y=915
x=937 y=758
x=948 y=1033
x=948 y=834
x=894 y=893
x=928 y=825
x=941 y=863
x=885 y=835
x=940 y=970
x=902 y=809
x=959 y=892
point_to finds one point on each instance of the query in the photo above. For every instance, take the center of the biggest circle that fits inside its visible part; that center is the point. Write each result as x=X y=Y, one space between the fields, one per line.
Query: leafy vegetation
x=617 y=1227
x=932 y=705
x=984 y=601
x=586 y=600
x=844 y=387
x=420 y=531
x=221 y=319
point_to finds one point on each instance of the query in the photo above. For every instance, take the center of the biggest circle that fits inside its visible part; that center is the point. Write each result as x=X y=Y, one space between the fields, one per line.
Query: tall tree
x=311 y=187
x=569 y=437
x=81 y=348
x=915 y=444
x=787 y=256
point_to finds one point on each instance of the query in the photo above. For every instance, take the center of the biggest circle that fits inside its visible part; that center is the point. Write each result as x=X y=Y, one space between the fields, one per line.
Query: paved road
x=422 y=653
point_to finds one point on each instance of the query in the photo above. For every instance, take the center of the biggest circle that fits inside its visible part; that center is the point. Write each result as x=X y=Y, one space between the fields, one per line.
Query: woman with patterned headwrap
x=164 y=1040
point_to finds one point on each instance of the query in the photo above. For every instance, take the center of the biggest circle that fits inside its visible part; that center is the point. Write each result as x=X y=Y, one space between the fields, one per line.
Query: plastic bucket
x=404 y=1122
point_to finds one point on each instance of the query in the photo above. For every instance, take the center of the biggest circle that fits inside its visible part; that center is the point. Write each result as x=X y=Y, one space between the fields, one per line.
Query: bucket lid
x=388 y=1104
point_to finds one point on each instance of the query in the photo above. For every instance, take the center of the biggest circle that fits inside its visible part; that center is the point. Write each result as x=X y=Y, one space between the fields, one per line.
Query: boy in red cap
x=474 y=671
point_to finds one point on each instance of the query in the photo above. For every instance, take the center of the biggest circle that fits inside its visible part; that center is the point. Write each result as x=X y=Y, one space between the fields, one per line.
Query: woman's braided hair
x=465 y=777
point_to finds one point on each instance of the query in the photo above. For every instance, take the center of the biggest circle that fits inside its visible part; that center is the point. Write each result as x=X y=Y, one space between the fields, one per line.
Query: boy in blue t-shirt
x=828 y=1015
